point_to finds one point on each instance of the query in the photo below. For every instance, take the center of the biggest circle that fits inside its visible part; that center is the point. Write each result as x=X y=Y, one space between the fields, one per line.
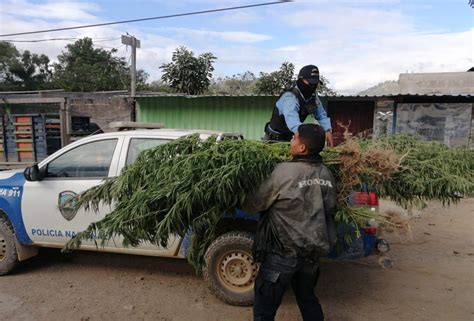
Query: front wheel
x=229 y=268
x=8 y=253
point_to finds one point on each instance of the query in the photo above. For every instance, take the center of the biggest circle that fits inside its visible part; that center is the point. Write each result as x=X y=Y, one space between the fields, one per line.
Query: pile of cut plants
x=189 y=184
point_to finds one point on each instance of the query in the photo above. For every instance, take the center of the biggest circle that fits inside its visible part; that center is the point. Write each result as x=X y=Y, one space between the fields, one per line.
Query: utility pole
x=134 y=43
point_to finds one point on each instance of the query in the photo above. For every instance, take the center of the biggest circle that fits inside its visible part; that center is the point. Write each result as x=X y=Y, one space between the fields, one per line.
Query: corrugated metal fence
x=238 y=114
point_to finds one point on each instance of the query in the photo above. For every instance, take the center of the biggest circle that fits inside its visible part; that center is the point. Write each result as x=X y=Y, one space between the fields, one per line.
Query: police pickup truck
x=34 y=211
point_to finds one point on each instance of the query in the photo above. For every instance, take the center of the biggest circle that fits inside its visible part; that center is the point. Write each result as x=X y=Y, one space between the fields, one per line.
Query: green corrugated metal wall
x=238 y=114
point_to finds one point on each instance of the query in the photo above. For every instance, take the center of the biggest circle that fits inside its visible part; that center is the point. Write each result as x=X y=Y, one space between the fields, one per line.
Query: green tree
x=141 y=80
x=23 y=71
x=31 y=71
x=274 y=82
x=8 y=54
x=187 y=73
x=240 y=84
x=159 y=86
x=85 y=68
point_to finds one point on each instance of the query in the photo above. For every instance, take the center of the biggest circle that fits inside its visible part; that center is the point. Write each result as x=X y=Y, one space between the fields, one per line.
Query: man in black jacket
x=297 y=227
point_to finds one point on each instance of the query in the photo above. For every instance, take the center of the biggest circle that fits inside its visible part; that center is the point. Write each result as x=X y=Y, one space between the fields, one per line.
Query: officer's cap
x=310 y=73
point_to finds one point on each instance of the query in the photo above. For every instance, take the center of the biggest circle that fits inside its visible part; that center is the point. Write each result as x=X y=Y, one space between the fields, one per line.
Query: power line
x=64 y=39
x=105 y=39
x=108 y=47
x=146 y=19
x=42 y=40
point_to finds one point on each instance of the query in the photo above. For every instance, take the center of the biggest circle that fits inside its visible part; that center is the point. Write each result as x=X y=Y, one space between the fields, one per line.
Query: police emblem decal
x=66 y=204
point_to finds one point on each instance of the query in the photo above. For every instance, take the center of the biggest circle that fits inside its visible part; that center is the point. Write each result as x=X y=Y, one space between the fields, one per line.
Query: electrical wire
x=108 y=47
x=64 y=39
x=42 y=40
x=146 y=19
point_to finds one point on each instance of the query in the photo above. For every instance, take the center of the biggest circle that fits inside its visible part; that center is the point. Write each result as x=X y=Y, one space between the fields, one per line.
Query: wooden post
x=394 y=122
x=68 y=120
x=65 y=122
x=469 y=137
x=134 y=43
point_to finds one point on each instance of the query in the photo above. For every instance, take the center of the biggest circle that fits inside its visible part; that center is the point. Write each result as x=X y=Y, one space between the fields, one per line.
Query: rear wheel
x=8 y=253
x=229 y=268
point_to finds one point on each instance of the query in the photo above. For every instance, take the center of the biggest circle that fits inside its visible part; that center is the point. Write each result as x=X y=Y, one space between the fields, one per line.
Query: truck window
x=138 y=145
x=91 y=160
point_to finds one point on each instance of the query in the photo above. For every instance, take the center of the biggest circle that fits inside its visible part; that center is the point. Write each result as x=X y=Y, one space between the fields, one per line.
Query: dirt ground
x=432 y=279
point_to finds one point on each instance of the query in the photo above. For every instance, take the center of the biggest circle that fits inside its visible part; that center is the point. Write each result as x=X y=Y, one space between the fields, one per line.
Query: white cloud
x=155 y=51
x=230 y=36
x=238 y=18
x=53 y=48
x=347 y=20
x=355 y=47
x=291 y=49
x=60 y=10
x=352 y=67
x=152 y=40
x=52 y=15
x=386 y=58
x=23 y=16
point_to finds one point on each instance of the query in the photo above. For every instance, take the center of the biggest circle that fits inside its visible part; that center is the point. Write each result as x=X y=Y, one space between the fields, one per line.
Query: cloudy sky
x=356 y=44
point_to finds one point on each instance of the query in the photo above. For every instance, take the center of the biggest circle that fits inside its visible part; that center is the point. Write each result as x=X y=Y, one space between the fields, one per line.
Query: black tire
x=8 y=253
x=229 y=268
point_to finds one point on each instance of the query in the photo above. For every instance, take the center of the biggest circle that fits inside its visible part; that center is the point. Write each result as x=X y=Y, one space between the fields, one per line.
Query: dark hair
x=313 y=136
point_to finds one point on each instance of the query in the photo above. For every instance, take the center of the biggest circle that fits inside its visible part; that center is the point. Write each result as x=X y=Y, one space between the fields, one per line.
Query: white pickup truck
x=34 y=210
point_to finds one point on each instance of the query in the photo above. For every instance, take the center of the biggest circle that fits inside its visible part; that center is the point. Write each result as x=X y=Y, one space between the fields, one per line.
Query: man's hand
x=329 y=138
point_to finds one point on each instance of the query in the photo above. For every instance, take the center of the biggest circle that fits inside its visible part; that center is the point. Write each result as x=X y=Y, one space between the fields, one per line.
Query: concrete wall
x=102 y=111
x=102 y=108
x=447 y=83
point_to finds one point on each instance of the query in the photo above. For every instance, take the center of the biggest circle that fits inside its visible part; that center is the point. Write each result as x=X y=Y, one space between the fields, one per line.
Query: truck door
x=49 y=220
x=133 y=146
x=48 y=217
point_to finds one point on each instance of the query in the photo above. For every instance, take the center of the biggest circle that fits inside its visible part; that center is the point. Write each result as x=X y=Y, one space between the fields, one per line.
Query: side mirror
x=33 y=173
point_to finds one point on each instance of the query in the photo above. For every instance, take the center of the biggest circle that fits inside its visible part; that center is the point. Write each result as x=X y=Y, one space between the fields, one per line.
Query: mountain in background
x=389 y=87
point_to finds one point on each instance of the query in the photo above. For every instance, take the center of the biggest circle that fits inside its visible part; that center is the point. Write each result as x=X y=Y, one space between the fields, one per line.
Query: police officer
x=297 y=204
x=294 y=105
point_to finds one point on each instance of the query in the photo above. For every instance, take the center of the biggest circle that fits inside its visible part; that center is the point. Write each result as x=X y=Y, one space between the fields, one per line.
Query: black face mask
x=306 y=90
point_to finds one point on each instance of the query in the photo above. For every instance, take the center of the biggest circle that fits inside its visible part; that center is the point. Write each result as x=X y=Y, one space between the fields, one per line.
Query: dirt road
x=432 y=279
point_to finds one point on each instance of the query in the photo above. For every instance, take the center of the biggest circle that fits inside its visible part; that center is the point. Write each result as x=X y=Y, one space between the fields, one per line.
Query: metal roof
x=154 y=94
x=401 y=95
x=124 y=94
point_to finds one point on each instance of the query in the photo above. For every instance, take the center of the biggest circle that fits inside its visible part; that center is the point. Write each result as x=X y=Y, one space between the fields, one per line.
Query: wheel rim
x=237 y=271
x=3 y=248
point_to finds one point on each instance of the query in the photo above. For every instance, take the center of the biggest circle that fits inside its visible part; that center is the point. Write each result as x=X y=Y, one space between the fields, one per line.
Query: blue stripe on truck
x=11 y=192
